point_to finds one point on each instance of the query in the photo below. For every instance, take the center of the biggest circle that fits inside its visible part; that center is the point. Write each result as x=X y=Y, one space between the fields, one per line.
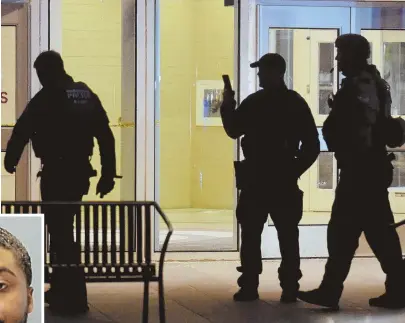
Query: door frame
x=149 y=46
x=37 y=40
x=40 y=18
x=17 y=15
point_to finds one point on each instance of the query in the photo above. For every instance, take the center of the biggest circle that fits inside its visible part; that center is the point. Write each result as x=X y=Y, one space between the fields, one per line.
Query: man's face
x=344 y=62
x=15 y=296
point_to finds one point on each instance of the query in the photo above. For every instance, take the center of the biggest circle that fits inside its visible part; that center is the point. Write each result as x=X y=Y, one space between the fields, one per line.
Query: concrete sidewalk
x=202 y=293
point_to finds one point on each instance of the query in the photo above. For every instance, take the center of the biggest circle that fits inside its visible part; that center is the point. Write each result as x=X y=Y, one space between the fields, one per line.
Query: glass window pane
x=394 y=74
x=325 y=174
x=8 y=75
x=195 y=177
x=98 y=48
x=326 y=63
x=285 y=47
x=7 y=182
x=370 y=59
x=322 y=141
x=399 y=170
x=325 y=170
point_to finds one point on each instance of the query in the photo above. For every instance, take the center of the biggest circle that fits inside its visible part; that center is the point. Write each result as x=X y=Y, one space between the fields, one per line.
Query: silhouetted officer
x=274 y=121
x=356 y=131
x=62 y=121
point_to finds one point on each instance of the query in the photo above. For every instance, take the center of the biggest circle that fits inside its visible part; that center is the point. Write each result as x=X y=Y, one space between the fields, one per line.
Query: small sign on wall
x=208 y=102
x=8 y=74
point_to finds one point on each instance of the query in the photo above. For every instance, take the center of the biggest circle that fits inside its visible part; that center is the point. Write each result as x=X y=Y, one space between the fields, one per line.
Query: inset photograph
x=21 y=268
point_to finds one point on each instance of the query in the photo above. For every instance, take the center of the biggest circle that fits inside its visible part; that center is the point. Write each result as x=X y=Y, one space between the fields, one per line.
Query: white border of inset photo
x=26 y=228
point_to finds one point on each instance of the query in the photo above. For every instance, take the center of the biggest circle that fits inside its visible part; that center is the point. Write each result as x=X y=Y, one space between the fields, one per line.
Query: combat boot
x=320 y=297
x=68 y=293
x=288 y=296
x=246 y=295
x=248 y=288
x=388 y=301
x=394 y=296
x=289 y=284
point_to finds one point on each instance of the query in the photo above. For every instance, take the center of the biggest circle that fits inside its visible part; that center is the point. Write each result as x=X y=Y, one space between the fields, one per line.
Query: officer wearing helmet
x=61 y=121
x=355 y=132
x=273 y=122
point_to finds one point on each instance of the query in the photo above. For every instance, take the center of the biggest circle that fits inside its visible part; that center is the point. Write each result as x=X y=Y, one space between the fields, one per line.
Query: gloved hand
x=228 y=96
x=10 y=168
x=104 y=186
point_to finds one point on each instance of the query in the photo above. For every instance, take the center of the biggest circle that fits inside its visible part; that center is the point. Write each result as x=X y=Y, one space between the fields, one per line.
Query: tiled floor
x=202 y=293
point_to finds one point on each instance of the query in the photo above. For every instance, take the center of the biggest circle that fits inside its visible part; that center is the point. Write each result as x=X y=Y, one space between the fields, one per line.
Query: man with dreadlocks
x=16 y=300
x=357 y=130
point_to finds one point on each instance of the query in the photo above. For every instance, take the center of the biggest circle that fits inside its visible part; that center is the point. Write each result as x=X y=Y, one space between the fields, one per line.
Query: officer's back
x=62 y=121
x=65 y=120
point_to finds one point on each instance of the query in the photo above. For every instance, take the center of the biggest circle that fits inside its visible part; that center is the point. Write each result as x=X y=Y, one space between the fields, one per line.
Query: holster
x=241 y=174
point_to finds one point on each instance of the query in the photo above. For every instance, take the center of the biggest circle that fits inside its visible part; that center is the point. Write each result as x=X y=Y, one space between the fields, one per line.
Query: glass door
x=194 y=176
x=305 y=37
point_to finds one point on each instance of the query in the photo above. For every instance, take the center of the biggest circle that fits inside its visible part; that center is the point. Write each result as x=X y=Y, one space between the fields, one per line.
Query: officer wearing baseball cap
x=272 y=61
x=273 y=122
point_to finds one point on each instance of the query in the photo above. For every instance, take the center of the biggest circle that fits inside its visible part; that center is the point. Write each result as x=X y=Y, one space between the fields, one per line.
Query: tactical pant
x=354 y=211
x=59 y=186
x=286 y=212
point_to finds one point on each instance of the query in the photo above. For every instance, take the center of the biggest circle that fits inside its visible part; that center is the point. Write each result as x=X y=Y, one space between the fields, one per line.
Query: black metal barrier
x=115 y=240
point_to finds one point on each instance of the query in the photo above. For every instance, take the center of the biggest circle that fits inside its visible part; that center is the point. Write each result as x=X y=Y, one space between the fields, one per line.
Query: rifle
x=398 y=224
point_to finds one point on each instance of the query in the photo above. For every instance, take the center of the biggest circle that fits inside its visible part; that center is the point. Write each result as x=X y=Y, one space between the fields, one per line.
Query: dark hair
x=11 y=243
x=355 y=44
x=49 y=60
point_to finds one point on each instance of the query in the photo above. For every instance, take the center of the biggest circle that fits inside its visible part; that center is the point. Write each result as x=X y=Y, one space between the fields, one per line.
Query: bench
x=115 y=240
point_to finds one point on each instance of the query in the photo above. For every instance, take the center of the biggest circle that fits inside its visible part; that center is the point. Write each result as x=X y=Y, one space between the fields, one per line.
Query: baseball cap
x=271 y=61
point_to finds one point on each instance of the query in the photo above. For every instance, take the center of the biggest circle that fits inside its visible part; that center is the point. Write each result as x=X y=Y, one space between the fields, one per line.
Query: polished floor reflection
x=202 y=293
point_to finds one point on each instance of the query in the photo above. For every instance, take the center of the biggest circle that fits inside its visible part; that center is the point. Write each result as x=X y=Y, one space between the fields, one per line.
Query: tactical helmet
x=355 y=45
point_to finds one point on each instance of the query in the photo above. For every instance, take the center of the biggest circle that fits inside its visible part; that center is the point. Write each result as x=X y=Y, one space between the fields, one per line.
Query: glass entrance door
x=305 y=37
